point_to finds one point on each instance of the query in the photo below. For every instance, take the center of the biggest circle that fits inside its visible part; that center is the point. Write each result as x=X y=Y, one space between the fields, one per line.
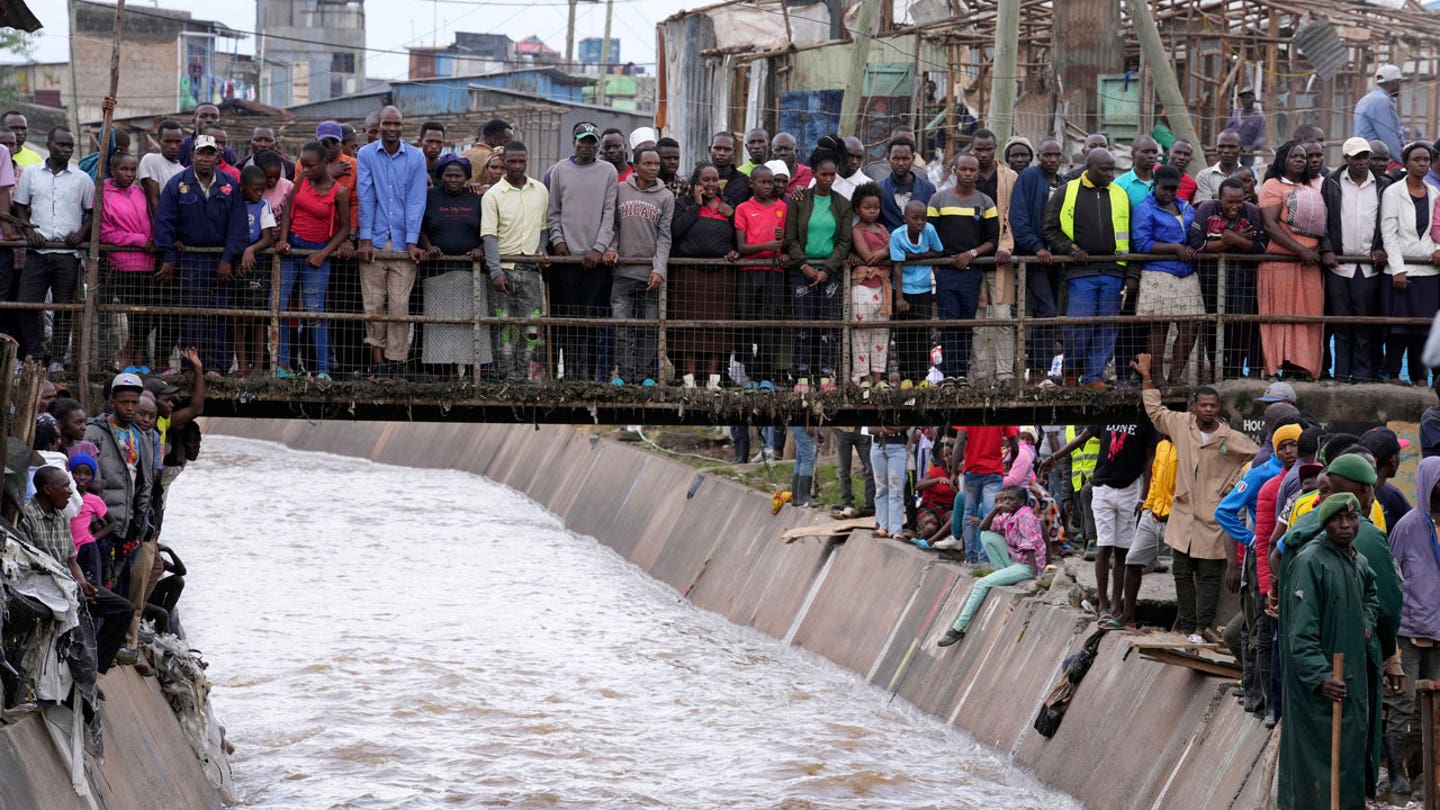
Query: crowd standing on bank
x=95 y=510
x=403 y=223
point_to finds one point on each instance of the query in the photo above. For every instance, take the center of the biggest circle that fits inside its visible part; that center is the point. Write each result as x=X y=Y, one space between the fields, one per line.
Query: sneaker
x=826 y=385
x=1194 y=638
x=848 y=512
x=865 y=385
x=925 y=384
x=907 y=385
x=126 y=657
x=751 y=387
x=767 y=387
x=57 y=368
x=1090 y=551
x=802 y=385
x=648 y=383
x=284 y=374
x=617 y=381
x=951 y=636
x=324 y=375
x=713 y=384
x=948 y=544
x=768 y=454
x=689 y=380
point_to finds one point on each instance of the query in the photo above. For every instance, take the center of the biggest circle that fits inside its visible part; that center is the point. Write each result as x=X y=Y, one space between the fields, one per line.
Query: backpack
x=1305 y=211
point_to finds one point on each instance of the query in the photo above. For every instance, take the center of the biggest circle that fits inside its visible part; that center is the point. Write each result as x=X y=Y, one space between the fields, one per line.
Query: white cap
x=779 y=167
x=1355 y=146
x=642 y=135
x=1388 y=73
x=204 y=142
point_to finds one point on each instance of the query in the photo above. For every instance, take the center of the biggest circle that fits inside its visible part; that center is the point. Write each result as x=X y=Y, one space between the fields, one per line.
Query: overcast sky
x=394 y=25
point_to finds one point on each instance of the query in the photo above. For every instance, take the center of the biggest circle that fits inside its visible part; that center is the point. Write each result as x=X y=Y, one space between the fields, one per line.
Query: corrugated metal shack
x=782 y=65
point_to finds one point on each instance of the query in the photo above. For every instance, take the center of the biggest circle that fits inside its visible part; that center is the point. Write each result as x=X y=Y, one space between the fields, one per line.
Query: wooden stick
x=1339 y=675
x=88 y=326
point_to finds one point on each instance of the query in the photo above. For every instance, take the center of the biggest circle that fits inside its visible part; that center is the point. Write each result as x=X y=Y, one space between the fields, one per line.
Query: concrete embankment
x=1138 y=734
x=147 y=762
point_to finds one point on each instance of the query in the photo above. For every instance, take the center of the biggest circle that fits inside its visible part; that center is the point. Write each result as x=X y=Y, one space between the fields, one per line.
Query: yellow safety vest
x=1082 y=461
x=1119 y=212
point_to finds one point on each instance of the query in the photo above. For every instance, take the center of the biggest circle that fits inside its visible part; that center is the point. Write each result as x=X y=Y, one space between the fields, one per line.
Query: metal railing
x=1018 y=327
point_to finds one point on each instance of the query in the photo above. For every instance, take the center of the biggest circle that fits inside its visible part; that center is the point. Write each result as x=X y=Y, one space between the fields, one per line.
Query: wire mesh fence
x=712 y=322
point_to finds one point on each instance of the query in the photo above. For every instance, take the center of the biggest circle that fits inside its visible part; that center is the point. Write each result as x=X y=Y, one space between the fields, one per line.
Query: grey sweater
x=642 y=228
x=582 y=205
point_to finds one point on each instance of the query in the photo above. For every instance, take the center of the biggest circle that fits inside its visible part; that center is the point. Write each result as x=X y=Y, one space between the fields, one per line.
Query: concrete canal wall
x=1138 y=734
x=147 y=763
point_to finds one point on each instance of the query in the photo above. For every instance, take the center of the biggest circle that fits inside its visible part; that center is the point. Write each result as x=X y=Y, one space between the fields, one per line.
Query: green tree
x=16 y=47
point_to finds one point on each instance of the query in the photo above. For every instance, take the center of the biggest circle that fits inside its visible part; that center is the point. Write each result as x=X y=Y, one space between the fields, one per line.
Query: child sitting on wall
x=1011 y=531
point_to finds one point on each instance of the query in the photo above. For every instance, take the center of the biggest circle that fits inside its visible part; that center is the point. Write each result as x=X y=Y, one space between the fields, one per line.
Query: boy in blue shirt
x=252 y=283
x=914 y=289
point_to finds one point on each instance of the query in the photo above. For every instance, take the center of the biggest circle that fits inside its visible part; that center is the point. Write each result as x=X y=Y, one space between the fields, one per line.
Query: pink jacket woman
x=125 y=220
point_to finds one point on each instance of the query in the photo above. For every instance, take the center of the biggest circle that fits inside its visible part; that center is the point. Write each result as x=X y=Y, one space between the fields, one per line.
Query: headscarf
x=1337 y=503
x=448 y=158
x=779 y=167
x=1285 y=433
x=1352 y=468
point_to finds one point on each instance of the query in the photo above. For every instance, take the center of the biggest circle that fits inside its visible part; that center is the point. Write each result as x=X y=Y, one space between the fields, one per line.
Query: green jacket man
x=1330 y=606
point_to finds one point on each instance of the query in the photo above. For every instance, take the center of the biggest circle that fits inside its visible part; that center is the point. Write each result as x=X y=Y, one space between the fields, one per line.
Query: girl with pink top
x=1021 y=472
x=125 y=221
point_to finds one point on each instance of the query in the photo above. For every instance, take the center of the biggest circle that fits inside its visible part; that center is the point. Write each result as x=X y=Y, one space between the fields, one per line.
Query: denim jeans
x=815 y=349
x=957 y=298
x=888 y=461
x=638 y=357
x=804 y=451
x=979 y=492
x=1088 y=346
x=314 y=283
x=1007 y=572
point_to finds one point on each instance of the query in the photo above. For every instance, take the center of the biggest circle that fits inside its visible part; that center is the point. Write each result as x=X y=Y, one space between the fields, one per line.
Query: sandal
x=1109 y=623
x=880 y=533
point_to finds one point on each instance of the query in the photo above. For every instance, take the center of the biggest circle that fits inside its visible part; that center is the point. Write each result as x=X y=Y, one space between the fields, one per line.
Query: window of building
x=342 y=63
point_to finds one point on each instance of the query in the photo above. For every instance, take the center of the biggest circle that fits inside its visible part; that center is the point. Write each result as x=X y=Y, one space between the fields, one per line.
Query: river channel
x=384 y=637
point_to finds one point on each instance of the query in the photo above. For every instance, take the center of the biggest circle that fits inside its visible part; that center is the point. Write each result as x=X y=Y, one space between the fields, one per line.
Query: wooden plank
x=828 y=529
x=1195 y=662
x=1172 y=641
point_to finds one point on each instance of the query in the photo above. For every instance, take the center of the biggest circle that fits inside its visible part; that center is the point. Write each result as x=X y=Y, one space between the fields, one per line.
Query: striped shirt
x=47 y=531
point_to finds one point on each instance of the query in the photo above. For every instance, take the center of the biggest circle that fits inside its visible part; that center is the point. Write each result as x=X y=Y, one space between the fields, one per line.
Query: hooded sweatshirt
x=1412 y=541
x=642 y=228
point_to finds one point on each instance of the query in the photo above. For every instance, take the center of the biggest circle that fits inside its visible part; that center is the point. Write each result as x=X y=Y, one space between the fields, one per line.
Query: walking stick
x=1339 y=675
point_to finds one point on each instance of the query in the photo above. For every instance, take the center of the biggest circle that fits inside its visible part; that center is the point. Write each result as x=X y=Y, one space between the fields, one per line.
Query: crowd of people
x=608 y=231
x=1306 y=525
x=95 y=505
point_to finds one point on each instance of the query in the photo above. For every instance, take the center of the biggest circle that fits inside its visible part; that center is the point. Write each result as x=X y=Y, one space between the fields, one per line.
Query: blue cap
x=329 y=129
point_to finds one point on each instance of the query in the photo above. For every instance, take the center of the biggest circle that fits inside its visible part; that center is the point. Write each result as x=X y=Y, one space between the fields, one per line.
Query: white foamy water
x=382 y=637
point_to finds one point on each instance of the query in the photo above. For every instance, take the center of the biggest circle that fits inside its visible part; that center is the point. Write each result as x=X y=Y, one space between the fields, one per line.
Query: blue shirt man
x=391 y=184
x=1377 y=117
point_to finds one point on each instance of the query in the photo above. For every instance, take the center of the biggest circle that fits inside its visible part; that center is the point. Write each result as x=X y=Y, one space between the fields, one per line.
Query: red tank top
x=313 y=216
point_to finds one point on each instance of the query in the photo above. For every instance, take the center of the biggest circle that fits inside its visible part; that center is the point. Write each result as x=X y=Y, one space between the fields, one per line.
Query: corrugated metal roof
x=1320 y=44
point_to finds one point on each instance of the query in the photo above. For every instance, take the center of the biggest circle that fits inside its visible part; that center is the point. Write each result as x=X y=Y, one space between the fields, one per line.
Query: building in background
x=170 y=61
x=590 y=52
x=309 y=50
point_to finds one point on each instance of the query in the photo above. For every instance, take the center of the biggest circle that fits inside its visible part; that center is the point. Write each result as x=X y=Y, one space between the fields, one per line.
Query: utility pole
x=1162 y=73
x=570 y=38
x=605 y=54
x=74 y=85
x=1000 y=118
x=859 y=50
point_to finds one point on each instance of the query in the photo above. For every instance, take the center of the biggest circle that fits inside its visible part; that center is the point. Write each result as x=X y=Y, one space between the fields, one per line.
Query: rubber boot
x=802 y=490
x=1395 y=765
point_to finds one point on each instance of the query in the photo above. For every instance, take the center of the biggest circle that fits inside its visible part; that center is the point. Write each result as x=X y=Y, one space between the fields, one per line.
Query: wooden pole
x=1335 y=707
x=605 y=54
x=570 y=39
x=88 y=326
x=859 y=49
x=1162 y=71
x=1000 y=118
